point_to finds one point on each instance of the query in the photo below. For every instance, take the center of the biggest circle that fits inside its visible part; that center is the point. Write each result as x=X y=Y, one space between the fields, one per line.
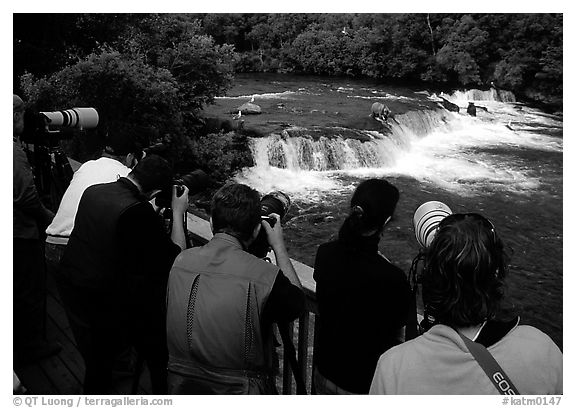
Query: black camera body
x=276 y=202
x=269 y=220
x=196 y=181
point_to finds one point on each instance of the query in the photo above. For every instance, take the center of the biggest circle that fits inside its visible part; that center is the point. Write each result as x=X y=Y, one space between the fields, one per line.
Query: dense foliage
x=151 y=73
x=518 y=52
x=157 y=71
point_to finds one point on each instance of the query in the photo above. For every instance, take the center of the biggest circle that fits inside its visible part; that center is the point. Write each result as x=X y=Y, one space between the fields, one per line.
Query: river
x=506 y=163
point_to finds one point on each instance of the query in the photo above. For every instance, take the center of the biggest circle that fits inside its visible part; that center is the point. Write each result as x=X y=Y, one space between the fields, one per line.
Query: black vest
x=91 y=258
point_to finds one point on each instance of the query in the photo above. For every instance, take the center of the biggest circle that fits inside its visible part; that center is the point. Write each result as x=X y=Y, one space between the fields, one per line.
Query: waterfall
x=339 y=151
x=472 y=95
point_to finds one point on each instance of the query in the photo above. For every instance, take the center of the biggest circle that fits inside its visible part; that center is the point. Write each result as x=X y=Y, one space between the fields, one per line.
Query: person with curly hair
x=462 y=287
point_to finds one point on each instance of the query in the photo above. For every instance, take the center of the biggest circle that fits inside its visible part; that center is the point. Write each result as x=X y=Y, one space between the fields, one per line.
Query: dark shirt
x=363 y=301
x=285 y=303
x=30 y=216
x=147 y=256
x=118 y=241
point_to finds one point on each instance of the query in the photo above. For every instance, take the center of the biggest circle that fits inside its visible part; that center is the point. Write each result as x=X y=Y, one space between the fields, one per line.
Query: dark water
x=514 y=177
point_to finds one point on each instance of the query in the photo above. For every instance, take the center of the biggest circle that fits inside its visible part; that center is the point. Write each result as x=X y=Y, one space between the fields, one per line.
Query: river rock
x=449 y=105
x=249 y=108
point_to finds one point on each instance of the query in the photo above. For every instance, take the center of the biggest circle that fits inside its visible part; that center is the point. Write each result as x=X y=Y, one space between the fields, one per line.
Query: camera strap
x=290 y=354
x=490 y=366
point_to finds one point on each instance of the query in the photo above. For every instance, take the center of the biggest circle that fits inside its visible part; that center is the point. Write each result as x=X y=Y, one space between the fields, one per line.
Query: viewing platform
x=64 y=373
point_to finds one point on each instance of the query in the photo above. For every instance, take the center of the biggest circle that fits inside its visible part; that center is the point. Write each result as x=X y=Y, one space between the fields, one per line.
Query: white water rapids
x=453 y=151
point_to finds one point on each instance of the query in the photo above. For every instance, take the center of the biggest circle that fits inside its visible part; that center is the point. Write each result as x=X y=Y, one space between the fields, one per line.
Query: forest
x=155 y=72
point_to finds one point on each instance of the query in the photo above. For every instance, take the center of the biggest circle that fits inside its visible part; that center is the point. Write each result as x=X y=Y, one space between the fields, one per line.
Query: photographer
x=115 y=268
x=120 y=155
x=469 y=351
x=362 y=297
x=222 y=302
x=30 y=217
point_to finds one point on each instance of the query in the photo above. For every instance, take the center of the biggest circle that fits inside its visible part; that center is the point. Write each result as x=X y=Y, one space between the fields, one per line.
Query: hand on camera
x=179 y=202
x=274 y=234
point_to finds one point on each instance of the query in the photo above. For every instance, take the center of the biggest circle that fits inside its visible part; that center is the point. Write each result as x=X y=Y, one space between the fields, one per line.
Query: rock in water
x=449 y=105
x=249 y=109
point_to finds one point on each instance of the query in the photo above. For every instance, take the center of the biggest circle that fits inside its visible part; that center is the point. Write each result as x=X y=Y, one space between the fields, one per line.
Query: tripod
x=52 y=172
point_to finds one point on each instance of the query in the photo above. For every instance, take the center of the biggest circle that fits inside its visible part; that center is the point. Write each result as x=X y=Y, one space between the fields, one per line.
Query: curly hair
x=466 y=264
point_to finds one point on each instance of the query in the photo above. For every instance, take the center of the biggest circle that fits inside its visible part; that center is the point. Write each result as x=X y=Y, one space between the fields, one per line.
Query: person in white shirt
x=120 y=155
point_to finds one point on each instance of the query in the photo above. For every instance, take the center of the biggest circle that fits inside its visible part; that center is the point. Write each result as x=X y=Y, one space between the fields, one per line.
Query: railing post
x=303 y=323
x=286 y=371
x=315 y=347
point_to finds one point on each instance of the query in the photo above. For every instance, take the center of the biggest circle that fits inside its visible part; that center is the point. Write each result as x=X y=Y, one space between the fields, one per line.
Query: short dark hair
x=236 y=210
x=153 y=173
x=373 y=201
x=466 y=264
x=122 y=139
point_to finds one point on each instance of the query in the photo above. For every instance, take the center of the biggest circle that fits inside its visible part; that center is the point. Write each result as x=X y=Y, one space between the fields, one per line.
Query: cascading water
x=505 y=163
x=306 y=152
x=494 y=95
x=454 y=151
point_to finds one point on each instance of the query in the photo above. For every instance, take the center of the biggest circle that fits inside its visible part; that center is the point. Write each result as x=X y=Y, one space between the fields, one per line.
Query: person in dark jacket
x=363 y=299
x=30 y=218
x=114 y=272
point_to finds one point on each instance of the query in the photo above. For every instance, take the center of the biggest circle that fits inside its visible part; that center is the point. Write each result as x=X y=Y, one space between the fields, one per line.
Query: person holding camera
x=222 y=301
x=467 y=350
x=120 y=155
x=362 y=297
x=115 y=269
x=30 y=218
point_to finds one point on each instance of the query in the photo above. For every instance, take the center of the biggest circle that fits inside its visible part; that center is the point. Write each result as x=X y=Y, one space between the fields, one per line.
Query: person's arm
x=400 y=334
x=276 y=241
x=403 y=303
x=146 y=247
x=285 y=303
x=25 y=195
x=179 y=207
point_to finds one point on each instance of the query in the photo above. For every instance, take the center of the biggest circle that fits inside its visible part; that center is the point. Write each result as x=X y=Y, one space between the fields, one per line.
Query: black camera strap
x=490 y=366
x=290 y=354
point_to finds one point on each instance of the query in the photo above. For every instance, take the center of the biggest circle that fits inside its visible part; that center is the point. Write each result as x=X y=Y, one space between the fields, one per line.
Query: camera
x=427 y=217
x=44 y=127
x=196 y=181
x=50 y=165
x=276 y=202
x=426 y=220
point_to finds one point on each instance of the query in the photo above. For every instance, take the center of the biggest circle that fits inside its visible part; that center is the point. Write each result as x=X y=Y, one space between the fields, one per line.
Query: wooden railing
x=307 y=325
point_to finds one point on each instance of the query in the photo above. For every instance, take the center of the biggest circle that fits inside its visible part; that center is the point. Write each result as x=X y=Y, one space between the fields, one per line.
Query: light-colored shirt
x=438 y=362
x=103 y=170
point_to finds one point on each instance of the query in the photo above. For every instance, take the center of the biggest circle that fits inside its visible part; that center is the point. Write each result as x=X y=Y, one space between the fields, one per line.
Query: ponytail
x=372 y=203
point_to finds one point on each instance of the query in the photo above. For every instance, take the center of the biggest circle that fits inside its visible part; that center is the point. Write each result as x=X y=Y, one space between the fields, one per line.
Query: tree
x=175 y=42
x=463 y=49
x=126 y=92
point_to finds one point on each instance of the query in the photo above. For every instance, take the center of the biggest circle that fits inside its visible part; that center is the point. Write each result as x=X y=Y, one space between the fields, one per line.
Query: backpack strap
x=490 y=366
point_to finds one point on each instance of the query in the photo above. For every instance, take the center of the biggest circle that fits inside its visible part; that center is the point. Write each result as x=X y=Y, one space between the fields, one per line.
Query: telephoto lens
x=80 y=118
x=426 y=220
x=276 y=202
